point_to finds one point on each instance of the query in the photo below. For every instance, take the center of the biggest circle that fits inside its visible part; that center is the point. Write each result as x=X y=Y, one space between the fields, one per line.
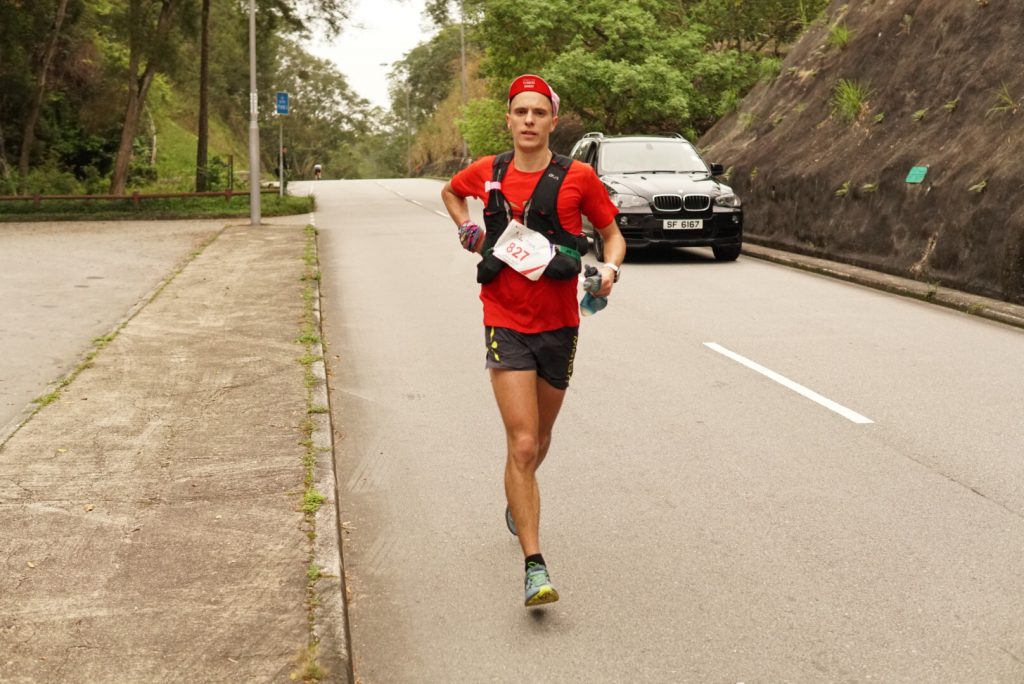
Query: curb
x=330 y=619
x=975 y=305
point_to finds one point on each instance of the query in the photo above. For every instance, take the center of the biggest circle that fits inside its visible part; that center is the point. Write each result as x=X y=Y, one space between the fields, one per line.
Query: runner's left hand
x=607 y=280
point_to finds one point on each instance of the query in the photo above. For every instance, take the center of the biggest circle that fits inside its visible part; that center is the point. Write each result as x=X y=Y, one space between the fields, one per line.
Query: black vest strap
x=540 y=212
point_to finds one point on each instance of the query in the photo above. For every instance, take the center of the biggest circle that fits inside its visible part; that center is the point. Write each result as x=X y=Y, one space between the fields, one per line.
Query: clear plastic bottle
x=591 y=304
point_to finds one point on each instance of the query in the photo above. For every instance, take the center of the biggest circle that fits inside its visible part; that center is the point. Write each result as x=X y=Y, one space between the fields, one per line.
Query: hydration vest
x=540 y=214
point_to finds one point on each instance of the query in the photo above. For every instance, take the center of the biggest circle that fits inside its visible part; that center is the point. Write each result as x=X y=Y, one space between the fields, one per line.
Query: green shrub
x=838 y=36
x=849 y=99
x=769 y=68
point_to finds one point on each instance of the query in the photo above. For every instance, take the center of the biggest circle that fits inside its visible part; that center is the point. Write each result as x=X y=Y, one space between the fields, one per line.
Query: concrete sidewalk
x=151 y=522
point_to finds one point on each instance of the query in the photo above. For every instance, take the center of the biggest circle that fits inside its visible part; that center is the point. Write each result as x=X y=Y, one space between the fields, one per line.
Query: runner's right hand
x=470 y=236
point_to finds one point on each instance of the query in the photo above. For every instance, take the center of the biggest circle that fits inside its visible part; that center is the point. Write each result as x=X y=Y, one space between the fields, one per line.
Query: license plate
x=683 y=224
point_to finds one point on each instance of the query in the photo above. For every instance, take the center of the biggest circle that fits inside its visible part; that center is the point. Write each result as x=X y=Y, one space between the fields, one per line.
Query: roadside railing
x=136 y=198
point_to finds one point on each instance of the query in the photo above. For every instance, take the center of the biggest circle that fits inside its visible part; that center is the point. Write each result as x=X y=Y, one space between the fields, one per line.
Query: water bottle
x=591 y=304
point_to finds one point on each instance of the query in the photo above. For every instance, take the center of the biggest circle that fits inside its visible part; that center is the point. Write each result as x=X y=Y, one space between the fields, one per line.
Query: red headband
x=534 y=84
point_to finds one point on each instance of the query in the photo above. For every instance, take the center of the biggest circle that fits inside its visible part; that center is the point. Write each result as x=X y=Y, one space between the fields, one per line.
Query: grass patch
x=849 y=99
x=979 y=186
x=769 y=69
x=843 y=189
x=1005 y=102
x=951 y=105
x=919 y=114
x=309 y=337
x=310 y=669
x=838 y=36
x=311 y=501
x=869 y=187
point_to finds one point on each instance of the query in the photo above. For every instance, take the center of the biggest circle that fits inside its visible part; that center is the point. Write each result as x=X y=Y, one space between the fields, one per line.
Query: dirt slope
x=791 y=155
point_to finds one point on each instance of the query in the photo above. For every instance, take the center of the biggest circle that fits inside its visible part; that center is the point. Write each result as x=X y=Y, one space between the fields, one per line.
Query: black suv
x=666 y=193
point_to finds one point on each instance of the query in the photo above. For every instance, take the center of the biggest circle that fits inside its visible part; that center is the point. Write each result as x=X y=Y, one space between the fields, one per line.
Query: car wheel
x=726 y=252
x=598 y=246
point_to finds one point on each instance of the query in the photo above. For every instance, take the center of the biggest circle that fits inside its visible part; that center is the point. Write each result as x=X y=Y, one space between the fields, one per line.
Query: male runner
x=531 y=323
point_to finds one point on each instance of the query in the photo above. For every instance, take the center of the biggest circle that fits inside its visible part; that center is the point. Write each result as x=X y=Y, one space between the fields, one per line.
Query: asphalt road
x=63 y=284
x=759 y=474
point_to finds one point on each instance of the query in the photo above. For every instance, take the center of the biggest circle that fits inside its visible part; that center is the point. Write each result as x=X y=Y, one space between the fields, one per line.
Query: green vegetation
x=951 y=105
x=979 y=186
x=838 y=36
x=310 y=669
x=1005 y=102
x=769 y=69
x=102 y=96
x=868 y=188
x=311 y=501
x=641 y=67
x=849 y=99
x=843 y=190
x=919 y=114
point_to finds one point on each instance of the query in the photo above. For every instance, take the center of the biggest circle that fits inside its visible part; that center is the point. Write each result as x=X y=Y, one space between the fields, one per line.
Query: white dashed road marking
x=786 y=382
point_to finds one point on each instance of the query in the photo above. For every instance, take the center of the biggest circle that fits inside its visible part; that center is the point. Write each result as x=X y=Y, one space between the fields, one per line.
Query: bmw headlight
x=623 y=201
x=728 y=200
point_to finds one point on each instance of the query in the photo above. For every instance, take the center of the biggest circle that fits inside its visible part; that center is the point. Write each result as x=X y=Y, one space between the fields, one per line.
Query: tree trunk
x=202 y=174
x=28 y=135
x=138 y=89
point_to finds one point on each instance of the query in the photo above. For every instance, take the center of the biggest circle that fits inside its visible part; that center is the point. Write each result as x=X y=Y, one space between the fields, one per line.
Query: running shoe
x=538 y=586
x=510 y=522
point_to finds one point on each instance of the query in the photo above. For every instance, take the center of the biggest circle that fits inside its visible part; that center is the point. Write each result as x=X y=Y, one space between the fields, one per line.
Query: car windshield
x=650 y=156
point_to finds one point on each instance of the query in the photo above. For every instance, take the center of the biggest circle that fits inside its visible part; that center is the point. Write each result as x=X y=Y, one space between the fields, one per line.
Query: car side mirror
x=717 y=169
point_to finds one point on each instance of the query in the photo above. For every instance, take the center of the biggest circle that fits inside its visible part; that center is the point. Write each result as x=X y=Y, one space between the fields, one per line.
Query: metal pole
x=280 y=155
x=254 y=128
x=408 y=131
x=462 y=80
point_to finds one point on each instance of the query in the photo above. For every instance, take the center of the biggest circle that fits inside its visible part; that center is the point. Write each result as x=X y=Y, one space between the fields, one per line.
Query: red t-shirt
x=511 y=300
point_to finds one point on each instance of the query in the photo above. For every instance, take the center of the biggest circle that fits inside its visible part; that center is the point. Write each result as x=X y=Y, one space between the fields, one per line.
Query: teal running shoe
x=510 y=522
x=538 y=586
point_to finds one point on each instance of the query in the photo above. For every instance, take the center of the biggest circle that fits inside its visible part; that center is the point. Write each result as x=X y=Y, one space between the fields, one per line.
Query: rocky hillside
x=821 y=155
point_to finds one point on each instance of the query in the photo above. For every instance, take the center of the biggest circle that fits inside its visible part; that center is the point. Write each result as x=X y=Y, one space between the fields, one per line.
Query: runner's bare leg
x=529 y=407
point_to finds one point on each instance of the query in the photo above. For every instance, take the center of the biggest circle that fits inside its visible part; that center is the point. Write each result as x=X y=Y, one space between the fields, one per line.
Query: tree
x=203 y=136
x=326 y=115
x=46 y=60
x=621 y=67
x=150 y=23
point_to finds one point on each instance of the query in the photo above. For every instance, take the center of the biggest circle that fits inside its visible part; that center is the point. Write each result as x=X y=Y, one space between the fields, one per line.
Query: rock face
x=945 y=90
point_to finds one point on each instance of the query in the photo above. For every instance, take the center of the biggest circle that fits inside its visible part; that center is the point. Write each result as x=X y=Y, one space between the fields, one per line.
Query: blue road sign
x=282 y=103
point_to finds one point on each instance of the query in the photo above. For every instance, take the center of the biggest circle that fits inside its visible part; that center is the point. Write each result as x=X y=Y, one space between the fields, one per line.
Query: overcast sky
x=379 y=31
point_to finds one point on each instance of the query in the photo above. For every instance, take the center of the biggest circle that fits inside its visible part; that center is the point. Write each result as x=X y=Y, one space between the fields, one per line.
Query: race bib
x=525 y=250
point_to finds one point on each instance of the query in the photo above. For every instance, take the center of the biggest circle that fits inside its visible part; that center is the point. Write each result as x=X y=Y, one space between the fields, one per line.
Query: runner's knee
x=524 y=451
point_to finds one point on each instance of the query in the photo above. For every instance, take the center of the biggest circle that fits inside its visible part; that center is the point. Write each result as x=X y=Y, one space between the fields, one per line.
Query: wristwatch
x=615 y=268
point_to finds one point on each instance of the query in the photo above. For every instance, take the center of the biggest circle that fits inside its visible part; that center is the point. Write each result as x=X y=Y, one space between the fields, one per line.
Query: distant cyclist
x=535 y=200
x=317 y=171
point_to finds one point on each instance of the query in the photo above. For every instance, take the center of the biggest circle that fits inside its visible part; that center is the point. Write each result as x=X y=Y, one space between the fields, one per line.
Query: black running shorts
x=550 y=353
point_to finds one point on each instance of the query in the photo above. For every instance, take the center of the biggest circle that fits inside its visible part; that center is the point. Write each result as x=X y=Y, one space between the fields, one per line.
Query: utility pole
x=254 y=127
x=408 y=129
x=463 y=86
